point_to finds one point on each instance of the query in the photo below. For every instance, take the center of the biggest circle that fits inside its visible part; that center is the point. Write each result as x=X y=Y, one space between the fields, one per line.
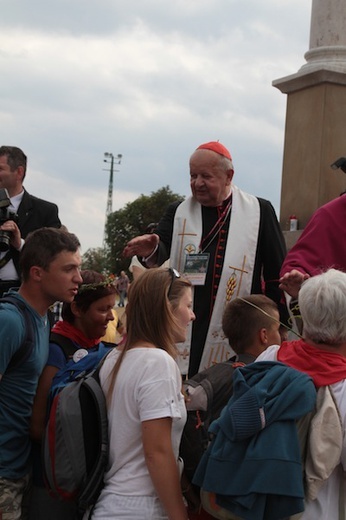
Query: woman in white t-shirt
x=146 y=409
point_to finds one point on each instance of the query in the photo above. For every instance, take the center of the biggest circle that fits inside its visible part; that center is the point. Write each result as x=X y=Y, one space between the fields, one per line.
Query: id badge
x=195 y=268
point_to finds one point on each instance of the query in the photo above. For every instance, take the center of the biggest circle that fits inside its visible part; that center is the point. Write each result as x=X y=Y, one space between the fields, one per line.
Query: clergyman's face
x=210 y=183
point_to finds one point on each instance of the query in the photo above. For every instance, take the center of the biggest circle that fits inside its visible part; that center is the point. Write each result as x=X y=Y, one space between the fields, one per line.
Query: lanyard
x=216 y=227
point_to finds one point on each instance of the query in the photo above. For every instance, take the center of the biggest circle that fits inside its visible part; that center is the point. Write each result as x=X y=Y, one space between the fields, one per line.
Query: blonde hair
x=153 y=297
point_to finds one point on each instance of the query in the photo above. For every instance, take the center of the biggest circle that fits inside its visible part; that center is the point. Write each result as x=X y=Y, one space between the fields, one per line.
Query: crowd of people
x=183 y=322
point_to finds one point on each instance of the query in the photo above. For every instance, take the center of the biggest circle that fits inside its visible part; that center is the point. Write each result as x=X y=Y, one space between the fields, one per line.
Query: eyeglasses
x=174 y=274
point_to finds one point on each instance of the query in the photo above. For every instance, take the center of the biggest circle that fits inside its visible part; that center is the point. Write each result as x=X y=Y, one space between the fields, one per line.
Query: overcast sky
x=148 y=79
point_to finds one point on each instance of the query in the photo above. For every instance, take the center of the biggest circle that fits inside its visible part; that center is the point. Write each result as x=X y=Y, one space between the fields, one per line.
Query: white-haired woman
x=322 y=355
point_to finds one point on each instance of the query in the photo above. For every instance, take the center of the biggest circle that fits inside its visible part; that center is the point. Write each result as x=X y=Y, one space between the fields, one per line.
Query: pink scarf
x=323 y=366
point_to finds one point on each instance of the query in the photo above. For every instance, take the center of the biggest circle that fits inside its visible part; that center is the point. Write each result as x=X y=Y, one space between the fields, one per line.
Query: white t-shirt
x=326 y=505
x=148 y=386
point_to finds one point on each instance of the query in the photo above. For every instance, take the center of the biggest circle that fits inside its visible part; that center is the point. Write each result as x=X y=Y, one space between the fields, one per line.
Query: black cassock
x=270 y=254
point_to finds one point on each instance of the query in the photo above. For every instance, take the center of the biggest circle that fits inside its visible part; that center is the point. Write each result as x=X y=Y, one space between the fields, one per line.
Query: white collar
x=16 y=200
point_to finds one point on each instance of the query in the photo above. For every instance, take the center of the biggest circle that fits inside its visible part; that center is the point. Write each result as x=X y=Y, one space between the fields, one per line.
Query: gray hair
x=226 y=163
x=322 y=302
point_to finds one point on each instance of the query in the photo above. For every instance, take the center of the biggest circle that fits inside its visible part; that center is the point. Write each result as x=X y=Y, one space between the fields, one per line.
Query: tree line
x=124 y=224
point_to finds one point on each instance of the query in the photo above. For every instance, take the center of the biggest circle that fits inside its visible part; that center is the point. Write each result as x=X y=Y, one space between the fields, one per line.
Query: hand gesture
x=142 y=246
x=292 y=281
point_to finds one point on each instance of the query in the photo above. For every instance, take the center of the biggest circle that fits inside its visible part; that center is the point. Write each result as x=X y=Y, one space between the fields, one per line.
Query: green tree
x=96 y=259
x=132 y=220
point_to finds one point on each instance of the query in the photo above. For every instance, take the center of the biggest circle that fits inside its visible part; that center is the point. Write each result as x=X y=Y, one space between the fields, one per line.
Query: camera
x=5 y=215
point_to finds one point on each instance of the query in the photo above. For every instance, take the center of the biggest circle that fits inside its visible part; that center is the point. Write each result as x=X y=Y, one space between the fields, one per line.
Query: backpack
x=232 y=440
x=75 y=444
x=320 y=449
x=75 y=367
x=206 y=394
x=66 y=344
x=25 y=350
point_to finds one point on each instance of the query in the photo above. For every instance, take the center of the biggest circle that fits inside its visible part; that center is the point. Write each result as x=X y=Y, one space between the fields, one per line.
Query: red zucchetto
x=217 y=147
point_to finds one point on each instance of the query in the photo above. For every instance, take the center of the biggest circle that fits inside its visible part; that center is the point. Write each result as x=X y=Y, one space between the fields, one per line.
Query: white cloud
x=150 y=80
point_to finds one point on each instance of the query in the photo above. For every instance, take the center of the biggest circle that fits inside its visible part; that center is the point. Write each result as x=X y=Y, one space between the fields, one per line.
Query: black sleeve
x=271 y=252
x=165 y=232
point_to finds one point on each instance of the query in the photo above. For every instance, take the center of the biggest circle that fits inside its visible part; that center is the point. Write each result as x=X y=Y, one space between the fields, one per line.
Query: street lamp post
x=109 y=158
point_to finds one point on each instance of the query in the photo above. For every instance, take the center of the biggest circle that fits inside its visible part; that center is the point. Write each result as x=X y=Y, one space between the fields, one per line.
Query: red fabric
x=323 y=366
x=322 y=244
x=217 y=147
x=69 y=331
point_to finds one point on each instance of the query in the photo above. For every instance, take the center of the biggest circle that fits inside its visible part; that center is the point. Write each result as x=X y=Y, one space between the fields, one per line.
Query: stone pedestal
x=314 y=139
x=316 y=117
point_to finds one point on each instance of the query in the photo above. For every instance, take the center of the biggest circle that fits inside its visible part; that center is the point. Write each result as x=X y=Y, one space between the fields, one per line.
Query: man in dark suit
x=33 y=213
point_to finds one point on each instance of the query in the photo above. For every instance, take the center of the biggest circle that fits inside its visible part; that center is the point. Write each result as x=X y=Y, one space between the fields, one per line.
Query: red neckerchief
x=69 y=331
x=323 y=366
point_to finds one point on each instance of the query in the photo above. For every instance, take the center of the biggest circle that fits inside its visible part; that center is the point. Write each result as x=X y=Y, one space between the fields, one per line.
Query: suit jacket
x=34 y=213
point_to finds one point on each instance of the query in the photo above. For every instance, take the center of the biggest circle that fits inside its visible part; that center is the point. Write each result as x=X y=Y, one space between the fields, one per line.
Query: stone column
x=315 y=117
x=328 y=19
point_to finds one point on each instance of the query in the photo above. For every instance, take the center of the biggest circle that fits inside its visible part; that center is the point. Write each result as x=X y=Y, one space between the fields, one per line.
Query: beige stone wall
x=291 y=237
x=314 y=139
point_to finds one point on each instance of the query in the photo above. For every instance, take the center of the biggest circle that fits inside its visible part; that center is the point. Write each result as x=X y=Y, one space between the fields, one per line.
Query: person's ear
x=36 y=273
x=76 y=311
x=20 y=172
x=263 y=336
x=229 y=174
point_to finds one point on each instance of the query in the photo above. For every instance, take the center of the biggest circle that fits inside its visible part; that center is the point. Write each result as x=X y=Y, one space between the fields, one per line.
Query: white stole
x=237 y=272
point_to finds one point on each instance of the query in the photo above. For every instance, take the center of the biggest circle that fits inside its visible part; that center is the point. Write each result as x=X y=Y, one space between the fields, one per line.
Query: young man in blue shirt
x=50 y=267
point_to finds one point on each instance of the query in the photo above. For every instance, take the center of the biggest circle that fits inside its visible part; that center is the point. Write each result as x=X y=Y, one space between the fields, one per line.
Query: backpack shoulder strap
x=26 y=348
x=245 y=359
x=96 y=373
x=109 y=344
x=66 y=344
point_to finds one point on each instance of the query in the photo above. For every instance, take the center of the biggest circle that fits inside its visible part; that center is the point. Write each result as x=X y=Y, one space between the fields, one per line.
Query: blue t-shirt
x=18 y=386
x=57 y=358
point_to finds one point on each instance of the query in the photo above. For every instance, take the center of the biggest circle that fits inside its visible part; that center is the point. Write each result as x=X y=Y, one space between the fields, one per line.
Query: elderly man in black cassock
x=227 y=242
